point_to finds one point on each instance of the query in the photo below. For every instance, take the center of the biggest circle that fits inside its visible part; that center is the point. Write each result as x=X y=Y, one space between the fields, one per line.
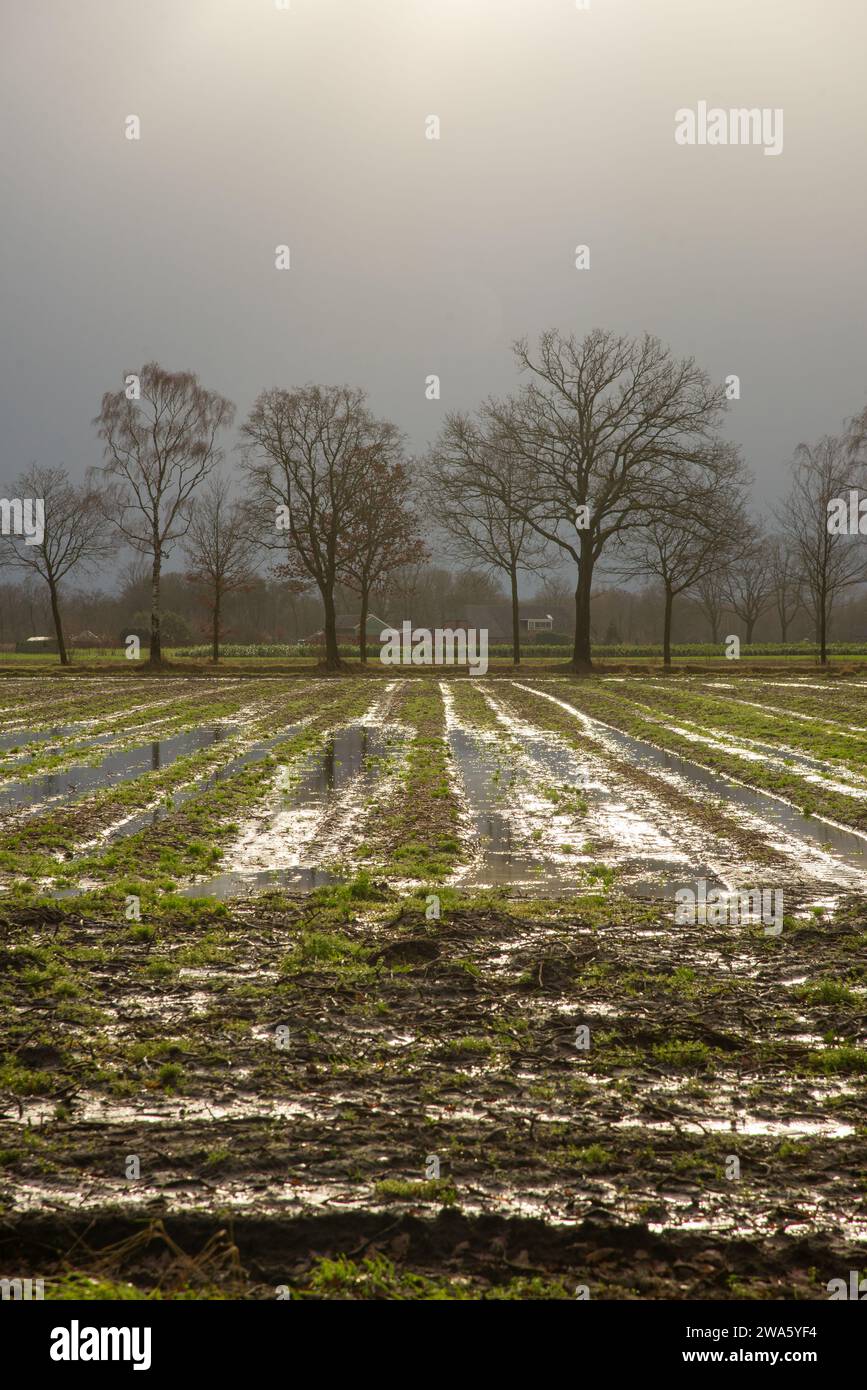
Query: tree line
x=607 y=457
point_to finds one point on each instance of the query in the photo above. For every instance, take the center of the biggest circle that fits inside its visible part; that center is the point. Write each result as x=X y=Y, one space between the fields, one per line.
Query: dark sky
x=411 y=256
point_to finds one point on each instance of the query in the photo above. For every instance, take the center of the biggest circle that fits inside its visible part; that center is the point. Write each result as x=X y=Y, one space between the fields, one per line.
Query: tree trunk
x=581 y=657
x=332 y=655
x=215 y=634
x=666 y=629
x=58 y=625
x=156 y=653
x=823 y=632
x=516 y=621
x=784 y=625
x=750 y=624
x=362 y=631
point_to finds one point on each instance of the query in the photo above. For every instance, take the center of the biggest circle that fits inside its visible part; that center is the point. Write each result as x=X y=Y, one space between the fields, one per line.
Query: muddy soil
x=290 y=1073
x=419 y=1018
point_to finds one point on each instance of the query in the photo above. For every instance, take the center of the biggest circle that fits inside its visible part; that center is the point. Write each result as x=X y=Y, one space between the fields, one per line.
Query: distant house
x=37 y=644
x=347 y=626
x=534 y=620
x=497 y=619
x=86 y=639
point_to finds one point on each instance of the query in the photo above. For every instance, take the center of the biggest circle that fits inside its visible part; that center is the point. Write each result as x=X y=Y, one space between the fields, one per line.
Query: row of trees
x=116 y=600
x=609 y=457
x=612 y=455
x=328 y=494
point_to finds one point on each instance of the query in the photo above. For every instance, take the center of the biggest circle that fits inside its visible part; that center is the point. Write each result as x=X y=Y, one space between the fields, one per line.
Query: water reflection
x=112 y=770
x=348 y=756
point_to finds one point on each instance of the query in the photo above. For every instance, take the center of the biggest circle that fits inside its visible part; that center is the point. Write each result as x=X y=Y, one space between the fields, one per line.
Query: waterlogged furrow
x=61 y=769
x=90 y=706
x=779 y=784
x=628 y=837
x=418 y=831
x=44 y=846
x=97 y=841
x=840 y=751
x=833 y=777
x=801 y=851
x=532 y=804
x=795 y=709
x=190 y=839
x=307 y=830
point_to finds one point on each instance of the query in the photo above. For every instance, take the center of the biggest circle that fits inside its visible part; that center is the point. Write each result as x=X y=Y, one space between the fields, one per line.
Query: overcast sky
x=412 y=256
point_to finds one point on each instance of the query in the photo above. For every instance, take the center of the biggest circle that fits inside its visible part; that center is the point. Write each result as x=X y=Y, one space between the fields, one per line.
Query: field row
x=544 y=787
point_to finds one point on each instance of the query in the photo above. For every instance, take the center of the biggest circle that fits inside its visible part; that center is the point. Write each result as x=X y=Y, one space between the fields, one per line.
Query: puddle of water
x=113 y=770
x=841 y=849
x=143 y=819
x=743 y=1124
x=342 y=770
x=21 y=738
x=504 y=860
x=233 y=883
x=645 y=855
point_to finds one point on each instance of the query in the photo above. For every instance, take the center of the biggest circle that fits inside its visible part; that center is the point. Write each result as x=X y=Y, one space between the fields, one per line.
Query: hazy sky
x=412 y=256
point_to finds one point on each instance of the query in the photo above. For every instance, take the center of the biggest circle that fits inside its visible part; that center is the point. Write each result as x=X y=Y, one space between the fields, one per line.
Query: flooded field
x=496 y=988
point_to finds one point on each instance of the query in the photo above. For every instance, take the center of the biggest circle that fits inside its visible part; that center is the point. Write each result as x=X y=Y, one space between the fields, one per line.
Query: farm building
x=497 y=619
x=347 y=625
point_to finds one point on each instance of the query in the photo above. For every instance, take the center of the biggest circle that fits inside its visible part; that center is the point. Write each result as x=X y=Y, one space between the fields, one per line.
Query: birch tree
x=160 y=441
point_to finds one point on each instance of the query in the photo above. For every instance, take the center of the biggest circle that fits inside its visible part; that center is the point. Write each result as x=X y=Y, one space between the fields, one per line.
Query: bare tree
x=307 y=452
x=160 y=441
x=385 y=537
x=784 y=581
x=475 y=487
x=74 y=535
x=747 y=587
x=219 y=548
x=604 y=431
x=695 y=539
x=709 y=593
x=402 y=587
x=828 y=560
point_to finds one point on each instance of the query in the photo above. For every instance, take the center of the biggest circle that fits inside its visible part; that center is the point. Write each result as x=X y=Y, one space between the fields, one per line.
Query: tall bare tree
x=219 y=549
x=785 y=582
x=695 y=539
x=709 y=593
x=385 y=537
x=160 y=441
x=748 y=590
x=75 y=535
x=306 y=453
x=828 y=561
x=475 y=488
x=604 y=429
